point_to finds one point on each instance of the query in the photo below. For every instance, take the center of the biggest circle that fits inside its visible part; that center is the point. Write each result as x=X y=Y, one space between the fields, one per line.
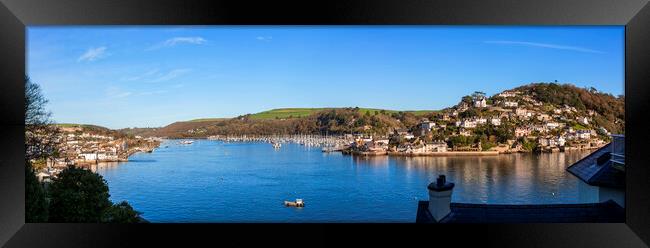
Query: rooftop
x=596 y=169
x=603 y=212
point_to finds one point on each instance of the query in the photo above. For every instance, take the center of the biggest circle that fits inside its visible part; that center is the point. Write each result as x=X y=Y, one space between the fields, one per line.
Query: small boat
x=298 y=203
x=187 y=142
x=277 y=145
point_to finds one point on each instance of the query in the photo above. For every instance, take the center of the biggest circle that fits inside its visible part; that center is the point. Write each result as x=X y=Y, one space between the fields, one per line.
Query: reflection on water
x=212 y=181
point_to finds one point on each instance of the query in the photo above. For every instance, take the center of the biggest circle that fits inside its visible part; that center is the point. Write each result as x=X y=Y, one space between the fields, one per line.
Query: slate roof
x=603 y=212
x=591 y=172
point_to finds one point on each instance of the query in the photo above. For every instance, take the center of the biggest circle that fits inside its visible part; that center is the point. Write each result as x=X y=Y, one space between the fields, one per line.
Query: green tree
x=467 y=99
x=78 y=195
x=35 y=201
x=121 y=213
x=478 y=95
x=40 y=135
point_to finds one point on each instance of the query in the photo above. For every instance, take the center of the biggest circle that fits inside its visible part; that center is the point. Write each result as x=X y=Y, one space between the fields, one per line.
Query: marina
x=216 y=181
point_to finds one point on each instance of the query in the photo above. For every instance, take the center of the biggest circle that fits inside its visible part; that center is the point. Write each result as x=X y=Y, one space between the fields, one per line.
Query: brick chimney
x=440 y=197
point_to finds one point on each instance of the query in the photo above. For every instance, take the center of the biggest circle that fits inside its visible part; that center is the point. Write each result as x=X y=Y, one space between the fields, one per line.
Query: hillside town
x=508 y=122
x=79 y=146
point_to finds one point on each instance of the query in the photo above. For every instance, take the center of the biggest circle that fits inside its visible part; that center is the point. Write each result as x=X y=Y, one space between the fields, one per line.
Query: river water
x=213 y=181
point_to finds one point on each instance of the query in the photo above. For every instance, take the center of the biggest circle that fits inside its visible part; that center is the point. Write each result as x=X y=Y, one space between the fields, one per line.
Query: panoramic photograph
x=325 y=124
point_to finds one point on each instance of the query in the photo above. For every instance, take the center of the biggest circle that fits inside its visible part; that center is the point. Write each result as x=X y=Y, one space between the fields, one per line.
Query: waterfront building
x=583 y=134
x=561 y=141
x=436 y=146
x=89 y=156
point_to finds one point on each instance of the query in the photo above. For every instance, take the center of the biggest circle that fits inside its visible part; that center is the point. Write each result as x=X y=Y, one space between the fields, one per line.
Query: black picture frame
x=15 y=15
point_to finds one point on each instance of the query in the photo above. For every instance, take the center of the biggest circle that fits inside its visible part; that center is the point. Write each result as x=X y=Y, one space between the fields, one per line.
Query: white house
x=583 y=134
x=521 y=111
x=510 y=104
x=464 y=132
x=381 y=141
x=552 y=125
x=427 y=125
x=89 y=156
x=437 y=146
x=508 y=94
x=522 y=132
x=468 y=124
x=495 y=121
x=480 y=103
x=106 y=156
x=583 y=120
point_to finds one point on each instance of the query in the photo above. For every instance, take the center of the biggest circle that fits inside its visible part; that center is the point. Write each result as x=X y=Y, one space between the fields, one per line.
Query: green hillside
x=207 y=119
x=285 y=113
x=85 y=126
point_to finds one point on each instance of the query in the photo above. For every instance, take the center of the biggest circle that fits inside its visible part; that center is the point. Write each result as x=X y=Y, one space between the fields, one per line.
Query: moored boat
x=298 y=203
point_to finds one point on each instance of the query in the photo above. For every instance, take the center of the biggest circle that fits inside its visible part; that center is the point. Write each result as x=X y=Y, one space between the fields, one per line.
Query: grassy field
x=285 y=113
x=79 y=125
x=302 y=112
x=207 y=119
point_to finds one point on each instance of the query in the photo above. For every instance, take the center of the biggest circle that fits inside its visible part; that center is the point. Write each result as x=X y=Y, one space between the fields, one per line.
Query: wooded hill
x=609 y=113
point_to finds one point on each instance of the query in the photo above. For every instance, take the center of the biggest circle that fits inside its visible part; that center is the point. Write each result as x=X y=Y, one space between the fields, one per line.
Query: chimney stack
x=440 y=197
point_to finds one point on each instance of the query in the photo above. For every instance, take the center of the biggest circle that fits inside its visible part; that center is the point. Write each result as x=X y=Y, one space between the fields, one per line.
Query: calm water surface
x=213 y=181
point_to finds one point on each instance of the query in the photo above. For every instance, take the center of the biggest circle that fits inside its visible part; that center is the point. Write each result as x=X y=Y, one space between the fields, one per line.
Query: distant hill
x=284 y=113
x=603 y=110
x=279 y=121
x=92 y=129
x=608 y=110
x=85 y=126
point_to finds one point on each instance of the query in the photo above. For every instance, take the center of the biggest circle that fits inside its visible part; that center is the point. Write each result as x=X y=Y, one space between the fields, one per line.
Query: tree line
x=76 y=195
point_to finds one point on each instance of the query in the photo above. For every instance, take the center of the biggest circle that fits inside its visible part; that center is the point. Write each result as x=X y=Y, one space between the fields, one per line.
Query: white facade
x=89 y=156
x=480 y=103
x=510 y=104
x=521 y=111
x=468 y=124
x=552 y=125
x=584 y=134
x=427 y=125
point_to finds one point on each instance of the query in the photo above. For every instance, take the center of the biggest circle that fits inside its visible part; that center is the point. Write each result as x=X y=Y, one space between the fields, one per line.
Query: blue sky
x=127 y=76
